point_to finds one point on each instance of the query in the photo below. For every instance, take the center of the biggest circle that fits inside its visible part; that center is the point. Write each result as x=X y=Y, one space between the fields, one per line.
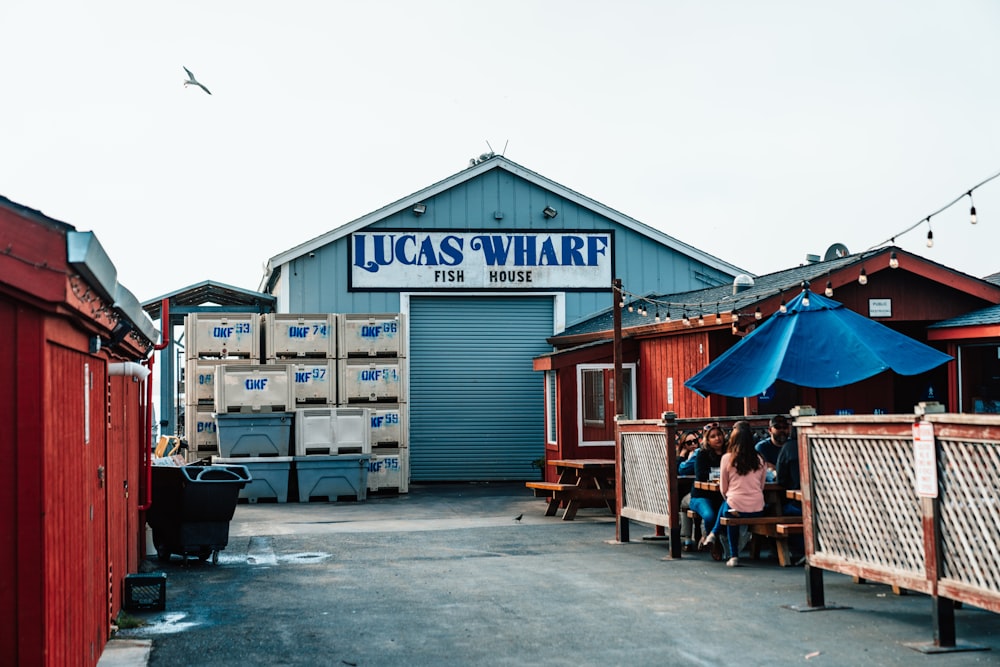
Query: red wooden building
x=680 y=334
x=74 y=436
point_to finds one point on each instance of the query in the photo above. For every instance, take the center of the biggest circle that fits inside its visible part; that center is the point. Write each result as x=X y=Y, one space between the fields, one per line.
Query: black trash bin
x=192 y=506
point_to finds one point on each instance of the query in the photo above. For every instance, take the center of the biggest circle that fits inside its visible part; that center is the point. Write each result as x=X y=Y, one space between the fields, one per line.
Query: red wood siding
x=70 y=441
x=25 y=395
x=75 y=548
x=914 y=298
x=55 y=591
x=678 y=358
x=31 y=245
x=125 y=437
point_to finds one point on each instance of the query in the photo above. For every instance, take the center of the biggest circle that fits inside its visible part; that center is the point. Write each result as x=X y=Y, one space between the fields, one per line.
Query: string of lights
x=973 y=218
x=640 y=303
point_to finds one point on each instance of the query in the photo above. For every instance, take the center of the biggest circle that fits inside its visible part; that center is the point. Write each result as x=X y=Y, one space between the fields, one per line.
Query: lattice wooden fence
x=862 y=515
x=647 y=477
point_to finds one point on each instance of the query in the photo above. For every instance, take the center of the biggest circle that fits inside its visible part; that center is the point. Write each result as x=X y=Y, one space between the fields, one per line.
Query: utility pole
x=619 y=393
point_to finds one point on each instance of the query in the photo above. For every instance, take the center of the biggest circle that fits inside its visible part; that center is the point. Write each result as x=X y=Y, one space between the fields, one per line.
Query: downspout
x=147 y=449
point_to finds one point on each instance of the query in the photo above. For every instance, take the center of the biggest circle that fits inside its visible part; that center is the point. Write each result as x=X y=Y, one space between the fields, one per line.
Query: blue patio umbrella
x=817 y=343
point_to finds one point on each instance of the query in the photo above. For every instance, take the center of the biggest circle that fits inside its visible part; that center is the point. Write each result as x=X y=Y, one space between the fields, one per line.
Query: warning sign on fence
x=924 y=460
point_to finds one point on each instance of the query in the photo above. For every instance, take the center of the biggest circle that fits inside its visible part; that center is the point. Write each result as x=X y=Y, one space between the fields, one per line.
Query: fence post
x=621 y=522
x=942 y=609
x=670 y=426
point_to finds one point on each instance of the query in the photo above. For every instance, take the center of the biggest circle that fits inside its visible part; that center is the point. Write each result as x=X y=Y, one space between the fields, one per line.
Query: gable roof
x=210 y=291
x=765 y=293
x=492 y=163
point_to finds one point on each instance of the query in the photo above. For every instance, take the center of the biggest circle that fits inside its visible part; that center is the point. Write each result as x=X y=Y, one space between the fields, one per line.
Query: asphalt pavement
x=445 y=575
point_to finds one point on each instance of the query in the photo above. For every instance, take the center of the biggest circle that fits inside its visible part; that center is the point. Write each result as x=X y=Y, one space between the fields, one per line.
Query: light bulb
x=701 y=319
x=863 y=277
x=972 y=215
x=631 y=308
x=736 y=316
x=805 y=300
x=893 y=260
x=757 y=315
x=668 y=316
x=686 y=320
x=718 y=317
x=621 y=304
x=829 y=289
x=783 y=308
x=930 y=238
x=657 y=315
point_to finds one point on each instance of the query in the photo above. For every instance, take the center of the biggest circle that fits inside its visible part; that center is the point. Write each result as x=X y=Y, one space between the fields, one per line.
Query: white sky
x=756 y=131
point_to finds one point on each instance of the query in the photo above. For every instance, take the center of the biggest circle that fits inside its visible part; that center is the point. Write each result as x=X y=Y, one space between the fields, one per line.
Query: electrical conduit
x=147 y=450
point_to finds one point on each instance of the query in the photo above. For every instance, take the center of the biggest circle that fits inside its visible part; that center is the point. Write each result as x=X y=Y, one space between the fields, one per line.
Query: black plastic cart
x=192 y=506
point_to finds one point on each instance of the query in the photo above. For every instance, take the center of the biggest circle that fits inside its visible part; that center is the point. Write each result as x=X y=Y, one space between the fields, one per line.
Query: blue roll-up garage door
x=476 y=405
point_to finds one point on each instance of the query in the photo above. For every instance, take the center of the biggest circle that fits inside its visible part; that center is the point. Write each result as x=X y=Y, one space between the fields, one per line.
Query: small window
x=593 y=397
x=550 y=406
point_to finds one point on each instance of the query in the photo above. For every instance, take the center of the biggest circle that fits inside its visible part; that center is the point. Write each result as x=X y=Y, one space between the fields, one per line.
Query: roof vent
x=742 y=282
x=812 y=259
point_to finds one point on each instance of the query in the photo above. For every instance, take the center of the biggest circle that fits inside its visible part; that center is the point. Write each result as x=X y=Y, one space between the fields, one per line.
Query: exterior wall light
x=549 y=212
x=419 y=209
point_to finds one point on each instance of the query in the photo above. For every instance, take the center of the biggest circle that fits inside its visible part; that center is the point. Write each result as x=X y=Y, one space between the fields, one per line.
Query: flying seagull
x=194 y=82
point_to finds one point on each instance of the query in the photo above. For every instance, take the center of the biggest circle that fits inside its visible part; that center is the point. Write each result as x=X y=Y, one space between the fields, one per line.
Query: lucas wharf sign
x=493 y=260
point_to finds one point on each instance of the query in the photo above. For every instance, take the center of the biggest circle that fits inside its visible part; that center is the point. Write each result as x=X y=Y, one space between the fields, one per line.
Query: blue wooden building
x=483 y=266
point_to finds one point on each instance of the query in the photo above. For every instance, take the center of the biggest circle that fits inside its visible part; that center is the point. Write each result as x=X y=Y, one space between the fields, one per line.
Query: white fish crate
x=200 y=377
x=389 y=470
x=371 y=335
x=201 y=431
x=389 y=425
x=327 y=431
x=370 y=381
x=289 y=335
x=254 y=388
x=222 y=335
x=315 y=381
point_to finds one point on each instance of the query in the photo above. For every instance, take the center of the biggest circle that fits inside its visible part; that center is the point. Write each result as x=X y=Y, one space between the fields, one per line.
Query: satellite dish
x=836 y=251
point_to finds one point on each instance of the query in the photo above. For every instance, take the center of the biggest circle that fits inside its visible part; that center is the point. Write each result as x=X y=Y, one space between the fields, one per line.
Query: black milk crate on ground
x=145 y=592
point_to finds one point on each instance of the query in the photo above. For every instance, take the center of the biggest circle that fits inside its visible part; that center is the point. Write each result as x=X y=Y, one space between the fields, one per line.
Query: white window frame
x=631 y=368
x=551 y=409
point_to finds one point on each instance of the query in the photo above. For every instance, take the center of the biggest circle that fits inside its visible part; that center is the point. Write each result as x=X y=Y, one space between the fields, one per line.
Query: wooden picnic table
x=581 y=483
x=773 y=525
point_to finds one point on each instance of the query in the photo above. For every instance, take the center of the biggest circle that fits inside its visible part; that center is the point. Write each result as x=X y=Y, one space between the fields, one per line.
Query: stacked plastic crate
x=254 y=406
x=331 y=450
x=212 y=340
x=373 y=374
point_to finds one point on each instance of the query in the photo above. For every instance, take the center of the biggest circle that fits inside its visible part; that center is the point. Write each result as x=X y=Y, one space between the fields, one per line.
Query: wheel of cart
x=191 y=508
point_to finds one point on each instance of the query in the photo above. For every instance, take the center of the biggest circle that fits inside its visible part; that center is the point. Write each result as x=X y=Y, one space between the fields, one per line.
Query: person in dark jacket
x=707 y=503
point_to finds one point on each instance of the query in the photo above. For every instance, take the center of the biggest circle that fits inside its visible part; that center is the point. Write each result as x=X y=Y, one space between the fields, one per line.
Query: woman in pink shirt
x=742 y=480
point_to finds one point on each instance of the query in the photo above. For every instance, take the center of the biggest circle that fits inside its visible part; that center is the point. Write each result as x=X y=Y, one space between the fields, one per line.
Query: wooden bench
x=571 y=494
x=775 y=528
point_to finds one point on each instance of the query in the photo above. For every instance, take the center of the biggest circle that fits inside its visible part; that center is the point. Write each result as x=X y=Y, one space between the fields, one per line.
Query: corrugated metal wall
x=476 y=405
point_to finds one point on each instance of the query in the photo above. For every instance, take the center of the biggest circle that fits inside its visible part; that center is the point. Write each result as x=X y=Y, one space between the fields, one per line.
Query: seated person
x=770 y=447
x=707 y=503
